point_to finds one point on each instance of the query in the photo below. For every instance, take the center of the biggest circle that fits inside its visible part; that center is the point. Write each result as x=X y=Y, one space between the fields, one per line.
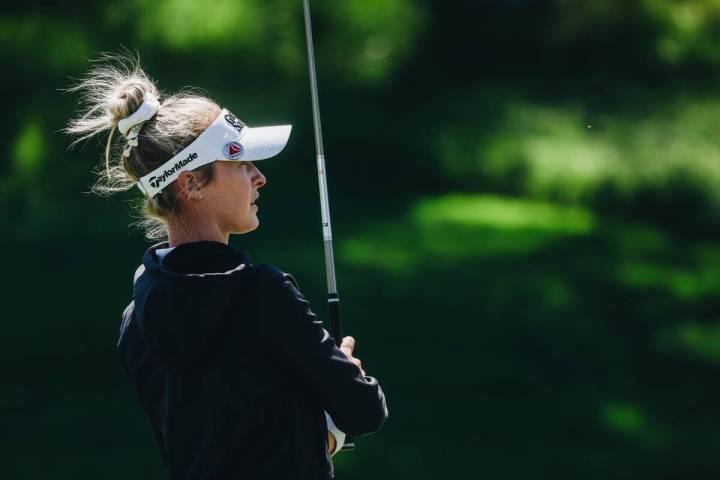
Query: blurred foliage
x=525 y=206
x=572 y=154
x=371 y=39
x=184 y=24
x=581 y=103
x=676 y=32
x=632 y=422
x=696 y=339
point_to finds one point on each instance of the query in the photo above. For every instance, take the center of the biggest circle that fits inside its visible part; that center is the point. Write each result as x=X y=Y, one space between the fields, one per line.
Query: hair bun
x=128 y=97
x=111 y=91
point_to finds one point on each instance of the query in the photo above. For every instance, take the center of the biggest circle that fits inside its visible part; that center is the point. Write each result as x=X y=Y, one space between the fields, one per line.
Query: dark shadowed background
x=525 y=205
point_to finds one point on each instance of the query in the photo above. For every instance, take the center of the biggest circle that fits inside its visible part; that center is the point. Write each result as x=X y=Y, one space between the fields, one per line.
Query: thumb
x=347 y=345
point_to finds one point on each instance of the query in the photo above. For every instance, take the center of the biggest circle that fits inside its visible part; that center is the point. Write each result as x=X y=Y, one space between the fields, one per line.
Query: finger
x=358 y=363
x=348 y=342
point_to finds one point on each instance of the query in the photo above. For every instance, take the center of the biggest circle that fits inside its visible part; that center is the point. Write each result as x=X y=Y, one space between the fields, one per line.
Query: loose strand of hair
x=107 y=150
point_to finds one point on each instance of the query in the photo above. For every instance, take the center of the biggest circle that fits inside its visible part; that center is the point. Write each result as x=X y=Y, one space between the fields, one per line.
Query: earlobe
x=188 y=185
x=194 y=195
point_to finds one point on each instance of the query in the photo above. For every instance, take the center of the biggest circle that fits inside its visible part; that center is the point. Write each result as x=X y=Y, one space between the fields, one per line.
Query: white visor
x=227 y=138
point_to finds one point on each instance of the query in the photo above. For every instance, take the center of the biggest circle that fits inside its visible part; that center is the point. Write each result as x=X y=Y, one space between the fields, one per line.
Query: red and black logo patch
x=233 y=150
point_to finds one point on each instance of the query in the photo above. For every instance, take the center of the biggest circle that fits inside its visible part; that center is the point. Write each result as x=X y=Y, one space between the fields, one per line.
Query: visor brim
x=260 y=143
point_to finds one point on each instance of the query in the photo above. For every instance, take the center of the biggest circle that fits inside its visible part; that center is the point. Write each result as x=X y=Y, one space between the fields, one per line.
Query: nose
x=259 y=179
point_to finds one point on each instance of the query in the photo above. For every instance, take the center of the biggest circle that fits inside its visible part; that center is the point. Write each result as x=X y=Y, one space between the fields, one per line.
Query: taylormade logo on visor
x=155 y=182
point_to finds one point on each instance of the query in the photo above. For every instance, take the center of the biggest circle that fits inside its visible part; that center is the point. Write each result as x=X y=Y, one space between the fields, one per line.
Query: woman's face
x=231 y=194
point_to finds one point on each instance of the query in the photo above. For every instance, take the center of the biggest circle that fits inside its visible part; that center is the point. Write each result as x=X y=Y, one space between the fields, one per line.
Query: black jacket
x=234 y=371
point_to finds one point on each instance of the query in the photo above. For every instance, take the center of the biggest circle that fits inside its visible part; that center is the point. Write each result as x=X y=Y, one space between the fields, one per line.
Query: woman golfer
x=235 y=373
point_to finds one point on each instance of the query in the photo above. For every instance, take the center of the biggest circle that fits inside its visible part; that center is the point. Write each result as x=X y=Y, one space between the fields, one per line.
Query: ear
x=187 y=184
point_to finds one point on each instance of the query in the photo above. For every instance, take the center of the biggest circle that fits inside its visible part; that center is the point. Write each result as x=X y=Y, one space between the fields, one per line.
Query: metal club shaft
x=333 y=297
x=324 y=202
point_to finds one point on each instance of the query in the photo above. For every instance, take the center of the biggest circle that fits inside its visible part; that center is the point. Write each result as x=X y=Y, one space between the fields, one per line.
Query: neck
x=180 y=232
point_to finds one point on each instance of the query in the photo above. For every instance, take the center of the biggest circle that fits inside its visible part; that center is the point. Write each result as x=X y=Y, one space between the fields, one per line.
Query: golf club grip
x=336 y=332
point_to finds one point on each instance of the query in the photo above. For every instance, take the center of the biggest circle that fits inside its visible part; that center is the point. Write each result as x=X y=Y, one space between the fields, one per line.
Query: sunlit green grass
x=456 y=227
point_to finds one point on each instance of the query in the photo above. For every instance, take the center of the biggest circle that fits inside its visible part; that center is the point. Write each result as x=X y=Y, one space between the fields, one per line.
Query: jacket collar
x=196 y=258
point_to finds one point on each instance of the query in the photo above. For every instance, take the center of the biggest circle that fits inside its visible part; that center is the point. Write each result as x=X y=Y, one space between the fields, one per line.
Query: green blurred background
x=525 y=209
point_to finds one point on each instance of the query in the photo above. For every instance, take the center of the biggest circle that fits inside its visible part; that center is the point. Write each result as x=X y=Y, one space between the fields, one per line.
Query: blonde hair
x=112 y=90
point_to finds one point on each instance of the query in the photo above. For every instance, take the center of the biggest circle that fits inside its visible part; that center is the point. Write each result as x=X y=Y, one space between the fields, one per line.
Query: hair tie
x=145 y=112
x=132 y=138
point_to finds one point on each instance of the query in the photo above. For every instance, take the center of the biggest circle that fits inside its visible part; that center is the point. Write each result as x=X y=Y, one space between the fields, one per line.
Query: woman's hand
x=347 y=346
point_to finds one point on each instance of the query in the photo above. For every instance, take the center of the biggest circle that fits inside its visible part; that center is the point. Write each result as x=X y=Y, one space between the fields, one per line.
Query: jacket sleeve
x=144 y=375
x=355 y=403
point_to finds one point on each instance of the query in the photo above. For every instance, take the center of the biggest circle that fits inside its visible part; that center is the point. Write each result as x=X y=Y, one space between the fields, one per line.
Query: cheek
x=238 y=187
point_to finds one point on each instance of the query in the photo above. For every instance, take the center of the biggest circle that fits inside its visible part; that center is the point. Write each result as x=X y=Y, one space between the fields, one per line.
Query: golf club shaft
x=333 y=297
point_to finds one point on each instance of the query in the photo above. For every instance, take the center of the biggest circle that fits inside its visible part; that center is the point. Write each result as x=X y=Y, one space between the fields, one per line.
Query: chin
x=248 y=227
